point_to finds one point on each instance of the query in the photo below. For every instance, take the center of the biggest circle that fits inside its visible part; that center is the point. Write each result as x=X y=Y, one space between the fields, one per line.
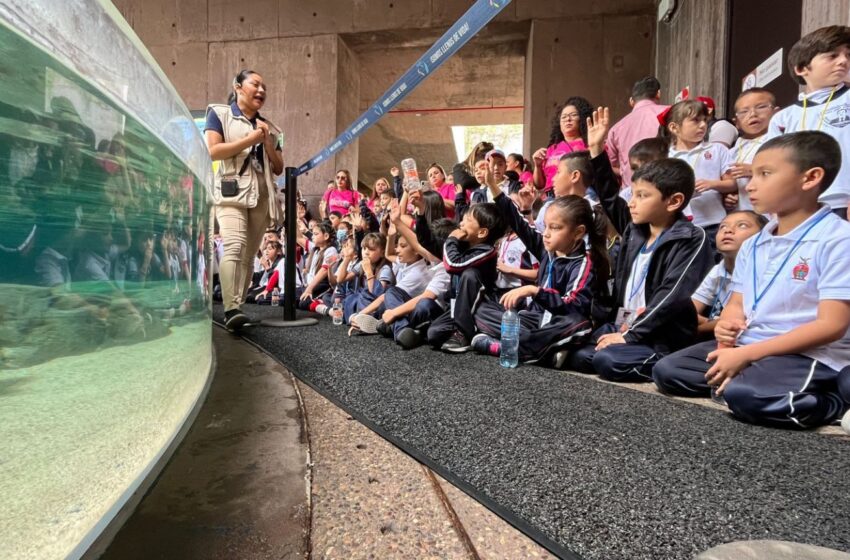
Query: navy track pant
x=618 y=362
x=426 y=310
x=791 y=391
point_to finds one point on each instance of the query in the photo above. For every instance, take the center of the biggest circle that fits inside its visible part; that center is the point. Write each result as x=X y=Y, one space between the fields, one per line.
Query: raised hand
x=597 y=129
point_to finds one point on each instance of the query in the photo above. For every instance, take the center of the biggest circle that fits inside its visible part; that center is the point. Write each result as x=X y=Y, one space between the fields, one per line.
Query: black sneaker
x=485 y=344
x=409 y=338
x=234 y=320
x=457 y=344
x=384 y=329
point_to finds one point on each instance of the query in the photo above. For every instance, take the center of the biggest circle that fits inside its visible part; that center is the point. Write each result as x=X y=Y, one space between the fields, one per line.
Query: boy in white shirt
x=783 y=337
x=820 y=61
x=753 y=110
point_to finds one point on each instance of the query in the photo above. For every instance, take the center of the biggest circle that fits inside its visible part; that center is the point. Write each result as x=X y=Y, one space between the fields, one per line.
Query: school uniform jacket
x=572 y=276
x=680 y=261
x=459 y=256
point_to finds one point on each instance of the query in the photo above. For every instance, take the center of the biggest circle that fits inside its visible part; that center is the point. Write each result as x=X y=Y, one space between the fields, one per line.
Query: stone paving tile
x=370 y=500
x=492 y=537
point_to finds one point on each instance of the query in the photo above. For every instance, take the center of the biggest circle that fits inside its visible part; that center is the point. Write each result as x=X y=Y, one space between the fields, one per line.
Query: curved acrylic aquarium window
x=104 y=311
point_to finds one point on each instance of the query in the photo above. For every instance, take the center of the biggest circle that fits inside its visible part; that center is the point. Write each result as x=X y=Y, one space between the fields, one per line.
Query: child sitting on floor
x=783 y=337
x=470 y=258
x=372 y=275
x=322 y=254
x=573 y=264
x=661 y=262
x=714 y=292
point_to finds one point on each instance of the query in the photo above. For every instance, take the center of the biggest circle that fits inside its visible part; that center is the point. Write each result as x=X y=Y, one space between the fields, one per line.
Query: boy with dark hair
x=753 y=111
x=821 y=61
x=469 y=256
x=648 y=149
x=783 y=337
x=574 y=176
x=661 y=262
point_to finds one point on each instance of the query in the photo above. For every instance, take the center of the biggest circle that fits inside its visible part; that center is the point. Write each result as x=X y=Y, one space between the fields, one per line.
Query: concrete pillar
x=820 y=13
x=598 y=59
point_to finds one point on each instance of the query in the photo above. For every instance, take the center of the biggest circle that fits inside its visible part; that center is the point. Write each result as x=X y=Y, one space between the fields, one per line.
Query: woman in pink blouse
x=569 y=134
x=342 y=198
x=437 y=179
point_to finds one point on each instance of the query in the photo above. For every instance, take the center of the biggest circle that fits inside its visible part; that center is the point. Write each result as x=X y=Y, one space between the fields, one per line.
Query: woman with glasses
x=569 y=134
x=342 y=198
x=247 y=146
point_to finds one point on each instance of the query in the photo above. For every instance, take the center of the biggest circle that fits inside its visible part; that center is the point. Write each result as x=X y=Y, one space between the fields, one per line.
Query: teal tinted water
x=104 y=310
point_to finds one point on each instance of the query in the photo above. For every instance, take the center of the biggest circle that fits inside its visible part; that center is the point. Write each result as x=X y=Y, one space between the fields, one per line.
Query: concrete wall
x=321 y=72
x=692 y=51
x=820 y=13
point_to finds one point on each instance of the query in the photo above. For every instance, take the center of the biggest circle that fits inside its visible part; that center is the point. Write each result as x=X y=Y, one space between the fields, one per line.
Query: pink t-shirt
x=641 y=123
x=447 y=191
x=553 y=156
x=341 y=201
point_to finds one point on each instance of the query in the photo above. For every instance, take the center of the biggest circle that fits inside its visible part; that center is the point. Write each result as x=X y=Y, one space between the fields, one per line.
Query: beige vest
x=235 y=128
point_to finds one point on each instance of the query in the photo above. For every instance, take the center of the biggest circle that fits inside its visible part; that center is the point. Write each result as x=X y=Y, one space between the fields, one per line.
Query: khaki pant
x=241 y=231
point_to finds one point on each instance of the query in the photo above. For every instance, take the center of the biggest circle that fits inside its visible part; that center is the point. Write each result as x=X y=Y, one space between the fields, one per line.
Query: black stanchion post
x=291 y=233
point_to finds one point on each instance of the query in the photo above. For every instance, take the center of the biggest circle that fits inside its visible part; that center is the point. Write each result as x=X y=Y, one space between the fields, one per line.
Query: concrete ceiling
x=481 y=85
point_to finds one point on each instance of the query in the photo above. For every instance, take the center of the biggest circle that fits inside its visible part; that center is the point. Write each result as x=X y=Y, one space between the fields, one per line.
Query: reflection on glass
x=104 y=305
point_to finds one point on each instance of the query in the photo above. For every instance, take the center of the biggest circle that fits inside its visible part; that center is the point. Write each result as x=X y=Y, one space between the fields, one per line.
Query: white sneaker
x=365 y=323
x=845 y=422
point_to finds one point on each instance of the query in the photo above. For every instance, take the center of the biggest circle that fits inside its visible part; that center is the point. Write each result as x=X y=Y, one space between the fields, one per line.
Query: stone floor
x=271 y=469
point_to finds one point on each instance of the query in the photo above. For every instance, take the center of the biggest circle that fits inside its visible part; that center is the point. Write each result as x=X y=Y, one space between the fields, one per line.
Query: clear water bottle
x=509 y=353
x=336 y=310
x=275 y=297
x=411 y=176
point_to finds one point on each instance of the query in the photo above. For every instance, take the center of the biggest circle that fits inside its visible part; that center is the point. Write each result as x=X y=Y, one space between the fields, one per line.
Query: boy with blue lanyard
x=663 y=257
x=715 y=290
x=783 y=337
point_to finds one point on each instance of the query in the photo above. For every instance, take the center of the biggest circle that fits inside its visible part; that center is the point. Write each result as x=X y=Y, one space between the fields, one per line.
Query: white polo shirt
x=831 y=116
x=744 y=151
x=818 y=269
x=710 y=162
x=413 y=277
x=715 y=290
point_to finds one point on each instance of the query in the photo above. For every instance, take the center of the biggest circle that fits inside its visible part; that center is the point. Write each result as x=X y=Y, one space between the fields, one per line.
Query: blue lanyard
x=549 y=272
x=711 y=313
x=757 y=297
x=643 y=250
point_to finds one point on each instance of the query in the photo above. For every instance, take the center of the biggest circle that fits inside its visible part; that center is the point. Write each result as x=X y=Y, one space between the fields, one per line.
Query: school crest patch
x=801 y=271
x=838 y=117
x=708 y=155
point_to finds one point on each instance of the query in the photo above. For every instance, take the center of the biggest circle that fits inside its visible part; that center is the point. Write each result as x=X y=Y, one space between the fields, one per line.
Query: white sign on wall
x=770 y=69
x=766 y=72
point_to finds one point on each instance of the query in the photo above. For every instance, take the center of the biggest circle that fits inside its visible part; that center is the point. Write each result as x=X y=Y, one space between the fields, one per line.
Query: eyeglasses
x=762 y=108
x=339 y=177
x=740 y=226
x=570 y=117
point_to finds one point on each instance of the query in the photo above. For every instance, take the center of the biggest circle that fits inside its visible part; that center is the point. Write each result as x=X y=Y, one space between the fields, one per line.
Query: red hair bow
x=662 y=116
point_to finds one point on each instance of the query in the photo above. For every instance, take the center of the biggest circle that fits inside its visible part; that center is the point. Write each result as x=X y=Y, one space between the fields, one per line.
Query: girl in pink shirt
x=569 y=134
x=381 y=186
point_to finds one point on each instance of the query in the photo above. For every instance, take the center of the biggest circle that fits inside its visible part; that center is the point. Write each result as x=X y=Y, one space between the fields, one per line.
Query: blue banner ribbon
x=446 y=46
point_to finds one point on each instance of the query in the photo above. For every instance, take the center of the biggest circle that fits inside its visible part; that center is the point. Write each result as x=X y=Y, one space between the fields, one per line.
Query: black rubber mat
x=587 y=469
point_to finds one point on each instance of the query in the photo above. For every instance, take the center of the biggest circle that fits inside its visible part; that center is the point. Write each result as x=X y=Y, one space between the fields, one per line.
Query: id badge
x=623 y=316
x=256 y=164
x=547 y=318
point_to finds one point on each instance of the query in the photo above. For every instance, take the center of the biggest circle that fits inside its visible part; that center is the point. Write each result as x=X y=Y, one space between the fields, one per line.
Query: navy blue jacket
x=566 y=282
x=680 y=260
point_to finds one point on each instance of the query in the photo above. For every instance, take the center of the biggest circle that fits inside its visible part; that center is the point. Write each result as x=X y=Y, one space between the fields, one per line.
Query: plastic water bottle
x=336 y=310
x=509 y=353
x=411 y=176
x=275 y=297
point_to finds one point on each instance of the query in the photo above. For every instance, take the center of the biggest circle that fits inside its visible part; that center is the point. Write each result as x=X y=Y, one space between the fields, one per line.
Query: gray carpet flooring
x=587 y=469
